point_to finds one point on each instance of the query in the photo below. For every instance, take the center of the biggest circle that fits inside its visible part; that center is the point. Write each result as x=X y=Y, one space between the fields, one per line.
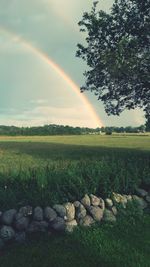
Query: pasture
x=47 y=170
x=43 y=170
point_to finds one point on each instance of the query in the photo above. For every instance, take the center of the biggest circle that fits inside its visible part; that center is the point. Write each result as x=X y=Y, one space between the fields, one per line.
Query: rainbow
x=44 y=57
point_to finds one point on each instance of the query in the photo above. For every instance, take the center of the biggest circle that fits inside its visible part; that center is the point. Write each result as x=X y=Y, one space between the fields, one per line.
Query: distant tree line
x=54 y=129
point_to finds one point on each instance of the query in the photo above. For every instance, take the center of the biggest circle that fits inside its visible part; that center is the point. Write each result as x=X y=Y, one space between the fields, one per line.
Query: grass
x=46 y=170
x=136 y=141
x=124 y=244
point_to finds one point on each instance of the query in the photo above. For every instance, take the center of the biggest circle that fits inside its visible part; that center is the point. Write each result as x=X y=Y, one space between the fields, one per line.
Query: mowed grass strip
x=134 y=141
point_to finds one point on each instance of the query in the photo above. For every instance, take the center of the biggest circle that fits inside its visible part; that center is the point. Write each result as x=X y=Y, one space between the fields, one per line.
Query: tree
x=148 y=124
x=117 y=52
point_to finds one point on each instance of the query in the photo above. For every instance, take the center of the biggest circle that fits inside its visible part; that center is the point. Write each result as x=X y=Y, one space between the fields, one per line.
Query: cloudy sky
x=39 y=73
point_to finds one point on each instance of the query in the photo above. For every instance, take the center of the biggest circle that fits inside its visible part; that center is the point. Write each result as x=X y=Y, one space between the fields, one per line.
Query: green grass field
x=46 y=170
x=54 y=169
x=134 y=141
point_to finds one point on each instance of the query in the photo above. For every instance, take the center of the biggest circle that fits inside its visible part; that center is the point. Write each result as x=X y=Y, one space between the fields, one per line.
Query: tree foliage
x=117 y=52
x=53 y=129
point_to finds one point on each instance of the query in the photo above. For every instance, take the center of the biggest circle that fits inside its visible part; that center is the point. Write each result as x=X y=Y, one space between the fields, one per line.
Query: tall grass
x=39 y=173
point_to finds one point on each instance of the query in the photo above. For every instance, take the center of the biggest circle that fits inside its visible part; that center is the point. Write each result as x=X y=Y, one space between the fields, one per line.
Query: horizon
x=67 y=125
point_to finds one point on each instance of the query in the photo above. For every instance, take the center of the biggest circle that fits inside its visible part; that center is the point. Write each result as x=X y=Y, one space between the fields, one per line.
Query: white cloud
x=41 y=115
x=39 y=101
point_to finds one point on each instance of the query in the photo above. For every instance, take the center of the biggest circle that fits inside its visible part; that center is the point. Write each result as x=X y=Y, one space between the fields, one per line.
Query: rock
x=2 y=244
x=109 y=203
x=86 y=201
x=26 y=211
x=120 y=199
x=109 y=216
x=96 y=213
x=38 y=214
x=147 y=198
x=8 y=216
x=21 y=222
x=102 y=204
x=71 y=225
x=58 y=224
x=7 y=233
x=114 y=210
x=70 y=211
x=116 y=197
x=37 y=226
x=141 y=192
x=50 y=214
x=129 y=198
x=20 y=237
x=87 y=221
x=61 y=210
x=80 y=212
x=140 y=202
x=95 y=201
x=77 y=204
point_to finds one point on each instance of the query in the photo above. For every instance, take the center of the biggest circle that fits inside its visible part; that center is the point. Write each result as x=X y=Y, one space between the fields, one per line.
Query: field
x=46 y=170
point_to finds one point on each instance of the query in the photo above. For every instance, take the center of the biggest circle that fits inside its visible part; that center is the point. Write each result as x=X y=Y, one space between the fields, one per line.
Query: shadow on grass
x=63 y=172
x=58 y=151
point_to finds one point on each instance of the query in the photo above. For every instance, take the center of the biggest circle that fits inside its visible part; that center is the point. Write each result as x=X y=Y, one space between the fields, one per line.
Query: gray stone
x=60 y=209
x=109 y=216
x=140 y=202
x=116 y=197
x=58 y=224
x=114 y=210
x=87 y=221
x=141 y=192
x=120 y=199
x=37 y=226
x=95 y=201
x=21 y=222
x=2 y=244
x=20 y=237
x=8 y=216
x=96 y=213
x=50 y=214
x=70 y=211
x=71 y=225
x=80 y=212
x=102 y=204
x=38 y=214
x=26 y=211
x=7 y=233
x=77 y=204
x=109 y=203
x=129 y=198
x=147 y=198
x=86 y=201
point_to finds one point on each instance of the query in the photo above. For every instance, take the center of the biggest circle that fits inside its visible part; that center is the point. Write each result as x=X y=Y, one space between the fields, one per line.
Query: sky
x=40 y=76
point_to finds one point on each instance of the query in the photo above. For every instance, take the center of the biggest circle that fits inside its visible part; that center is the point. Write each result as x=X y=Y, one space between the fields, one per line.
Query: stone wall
x=17 y=224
